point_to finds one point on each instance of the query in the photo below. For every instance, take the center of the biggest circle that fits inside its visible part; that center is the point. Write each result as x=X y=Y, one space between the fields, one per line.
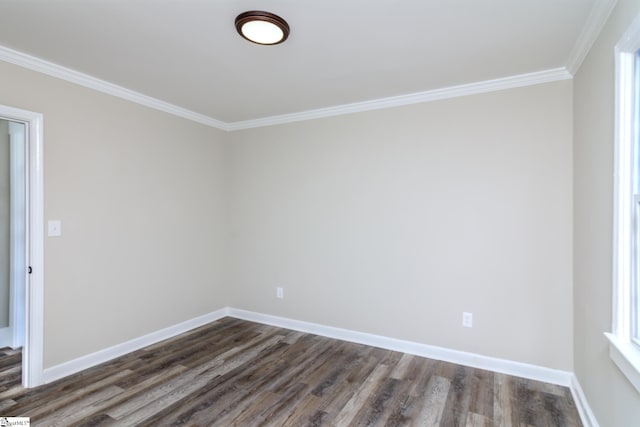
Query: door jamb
x=33 y=351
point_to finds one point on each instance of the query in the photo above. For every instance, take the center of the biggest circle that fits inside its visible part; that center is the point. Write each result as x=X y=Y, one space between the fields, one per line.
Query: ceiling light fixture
x=262 y=27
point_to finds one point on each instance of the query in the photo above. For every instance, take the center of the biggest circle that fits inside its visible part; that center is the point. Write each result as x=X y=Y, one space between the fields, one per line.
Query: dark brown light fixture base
x=262 y=27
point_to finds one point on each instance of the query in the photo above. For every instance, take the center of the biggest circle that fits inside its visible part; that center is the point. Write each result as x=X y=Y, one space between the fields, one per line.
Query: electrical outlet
x=54 y=228
x=467 y=320
x=280 y=293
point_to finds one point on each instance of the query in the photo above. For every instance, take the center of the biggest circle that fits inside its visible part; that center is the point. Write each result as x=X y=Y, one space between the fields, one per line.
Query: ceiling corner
x=590 y=32
x=54 y=70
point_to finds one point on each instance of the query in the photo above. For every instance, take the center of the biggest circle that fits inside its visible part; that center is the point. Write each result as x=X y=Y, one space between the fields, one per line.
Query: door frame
x=33 y=350
x=17 y=242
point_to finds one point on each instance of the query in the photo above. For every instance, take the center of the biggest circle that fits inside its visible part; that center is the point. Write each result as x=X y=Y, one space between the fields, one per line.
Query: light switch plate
x=54 y=228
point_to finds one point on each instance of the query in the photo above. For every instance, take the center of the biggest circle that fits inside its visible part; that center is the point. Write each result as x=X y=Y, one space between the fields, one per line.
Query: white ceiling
x=187 y=52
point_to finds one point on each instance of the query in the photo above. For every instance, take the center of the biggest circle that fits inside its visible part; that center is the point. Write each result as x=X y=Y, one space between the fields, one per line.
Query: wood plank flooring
x=238 y=373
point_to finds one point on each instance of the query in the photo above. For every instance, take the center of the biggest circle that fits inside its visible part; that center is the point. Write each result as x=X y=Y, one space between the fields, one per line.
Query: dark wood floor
x=237 y=373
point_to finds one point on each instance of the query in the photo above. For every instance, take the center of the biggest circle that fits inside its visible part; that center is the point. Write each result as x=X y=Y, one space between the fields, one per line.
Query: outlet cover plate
x=467 y=320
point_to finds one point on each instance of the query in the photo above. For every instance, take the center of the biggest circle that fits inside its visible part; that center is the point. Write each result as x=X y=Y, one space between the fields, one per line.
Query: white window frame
x=623 y=349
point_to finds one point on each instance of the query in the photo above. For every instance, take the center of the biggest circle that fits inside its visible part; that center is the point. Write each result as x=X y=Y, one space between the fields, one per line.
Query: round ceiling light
x=262 y=27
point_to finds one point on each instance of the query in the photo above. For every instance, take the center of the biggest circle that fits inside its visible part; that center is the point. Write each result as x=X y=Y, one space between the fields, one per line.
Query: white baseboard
x=93 y=359
x=509 y=367
x=524 y=370
x=586 y=414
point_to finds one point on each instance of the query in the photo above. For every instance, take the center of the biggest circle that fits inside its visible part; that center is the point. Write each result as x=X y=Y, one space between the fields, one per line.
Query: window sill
x=626 y=356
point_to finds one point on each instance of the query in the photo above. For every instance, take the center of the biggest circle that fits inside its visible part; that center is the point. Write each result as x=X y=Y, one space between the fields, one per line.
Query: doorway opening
x=12 y=233
x=24 y=229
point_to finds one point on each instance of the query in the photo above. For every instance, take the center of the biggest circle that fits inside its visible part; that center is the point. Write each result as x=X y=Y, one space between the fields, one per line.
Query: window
x=625 y=335
x=634 y=135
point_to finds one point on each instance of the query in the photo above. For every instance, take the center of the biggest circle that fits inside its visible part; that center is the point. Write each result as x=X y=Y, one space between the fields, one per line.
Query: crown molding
x=58 y=71
x=590 y=31
x=413 y=98
x=73 y=76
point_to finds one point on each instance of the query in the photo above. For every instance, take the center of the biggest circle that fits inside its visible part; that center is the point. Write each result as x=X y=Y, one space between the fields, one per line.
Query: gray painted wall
x=394 y=222
x=613 y=399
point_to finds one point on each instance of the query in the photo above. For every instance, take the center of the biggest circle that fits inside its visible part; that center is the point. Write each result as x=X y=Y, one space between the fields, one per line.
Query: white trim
x=58 y=71
x=626 y=357
x=101 y=356
x=621 y=204
x=33 y=351
x=524 y=370
x=624 y=354
x=529 y=79
x=584 y=410
x=590 y=31
x=64 y=73
x=34 y=326
x=18 y=253
x=630 y=40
